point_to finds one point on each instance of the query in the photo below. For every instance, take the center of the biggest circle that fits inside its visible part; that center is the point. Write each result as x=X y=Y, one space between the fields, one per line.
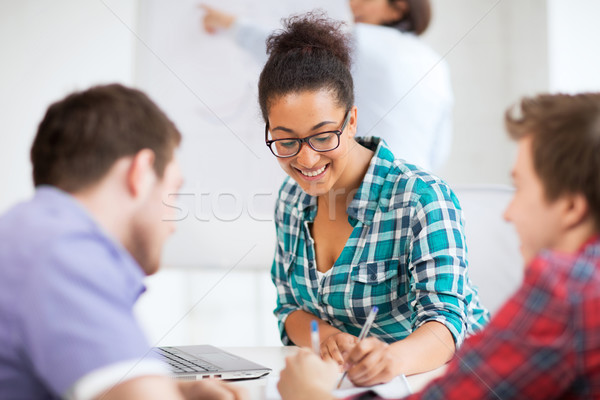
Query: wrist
x=228 y=21
x=397 y=354
x=316 y=393
x=327 y=331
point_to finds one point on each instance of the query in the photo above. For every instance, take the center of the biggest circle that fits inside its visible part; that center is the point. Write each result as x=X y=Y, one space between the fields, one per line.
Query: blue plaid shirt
x=406 y=255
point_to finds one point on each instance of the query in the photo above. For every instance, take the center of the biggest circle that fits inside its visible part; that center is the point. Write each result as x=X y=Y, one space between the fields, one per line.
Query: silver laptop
x=200 y=362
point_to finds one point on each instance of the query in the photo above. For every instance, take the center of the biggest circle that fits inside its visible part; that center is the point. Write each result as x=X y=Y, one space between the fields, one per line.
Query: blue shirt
x=406 y=255
x=66 y=297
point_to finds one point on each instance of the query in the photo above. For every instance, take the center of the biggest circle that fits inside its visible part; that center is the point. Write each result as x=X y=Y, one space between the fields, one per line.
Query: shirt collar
x=366 y=200
x=592 y=244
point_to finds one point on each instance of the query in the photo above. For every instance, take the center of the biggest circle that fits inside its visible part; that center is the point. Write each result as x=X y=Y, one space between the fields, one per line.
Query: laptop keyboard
x=180 y=364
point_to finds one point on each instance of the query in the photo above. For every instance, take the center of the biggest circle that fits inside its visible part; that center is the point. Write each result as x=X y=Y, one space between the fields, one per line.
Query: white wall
x=497 y=52
x=48 y=50
x=209 y=305
x=574 y=37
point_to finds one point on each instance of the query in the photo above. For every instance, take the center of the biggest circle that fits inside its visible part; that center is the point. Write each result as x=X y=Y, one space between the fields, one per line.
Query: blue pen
x=363 y=333
x=314 y=337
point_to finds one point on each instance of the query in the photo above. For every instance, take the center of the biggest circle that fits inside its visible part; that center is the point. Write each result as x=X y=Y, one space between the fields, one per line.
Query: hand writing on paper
x=336 y=347
x=371 y=362
x=306 y=376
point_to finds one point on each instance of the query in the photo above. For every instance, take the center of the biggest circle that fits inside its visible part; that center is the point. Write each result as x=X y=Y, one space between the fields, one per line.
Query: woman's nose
x=307 y=157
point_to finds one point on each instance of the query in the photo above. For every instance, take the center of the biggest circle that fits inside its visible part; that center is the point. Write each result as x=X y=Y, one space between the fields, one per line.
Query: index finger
x=334 y=351
x=347 y=345
x=361 y=350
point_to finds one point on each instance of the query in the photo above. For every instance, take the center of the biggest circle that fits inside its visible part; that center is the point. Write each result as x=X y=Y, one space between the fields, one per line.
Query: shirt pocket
x=375 y=283
x=374 y=272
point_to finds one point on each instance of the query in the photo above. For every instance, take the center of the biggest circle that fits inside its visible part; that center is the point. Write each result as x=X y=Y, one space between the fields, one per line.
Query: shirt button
x=310 y=264
x=373 y=277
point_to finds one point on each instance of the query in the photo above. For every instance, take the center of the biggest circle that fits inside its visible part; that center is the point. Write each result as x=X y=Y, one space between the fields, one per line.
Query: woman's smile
x=313 y=174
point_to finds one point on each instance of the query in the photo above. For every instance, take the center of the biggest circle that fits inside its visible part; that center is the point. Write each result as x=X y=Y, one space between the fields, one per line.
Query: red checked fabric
x=543 y=344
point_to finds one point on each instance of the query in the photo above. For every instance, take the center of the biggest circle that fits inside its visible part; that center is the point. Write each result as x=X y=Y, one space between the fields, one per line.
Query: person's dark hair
x=565 y=131
x=310 y=53
x=417 y=17
x=83 y=135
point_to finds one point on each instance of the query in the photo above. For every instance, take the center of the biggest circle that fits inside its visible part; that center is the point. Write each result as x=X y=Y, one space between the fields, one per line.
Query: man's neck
x=575 y=238
x=108 y=209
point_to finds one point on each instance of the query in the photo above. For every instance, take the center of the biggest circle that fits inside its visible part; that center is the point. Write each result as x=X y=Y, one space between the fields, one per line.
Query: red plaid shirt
x=543 y=344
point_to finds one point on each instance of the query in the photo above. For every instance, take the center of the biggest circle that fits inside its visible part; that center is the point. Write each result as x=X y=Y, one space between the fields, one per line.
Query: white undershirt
x=322 y=275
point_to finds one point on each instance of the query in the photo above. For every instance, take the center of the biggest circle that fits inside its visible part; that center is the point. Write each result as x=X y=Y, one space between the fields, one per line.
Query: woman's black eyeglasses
x=321 y=142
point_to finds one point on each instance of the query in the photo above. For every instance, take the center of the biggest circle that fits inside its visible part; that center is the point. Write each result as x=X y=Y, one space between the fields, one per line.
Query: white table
x=274 y=358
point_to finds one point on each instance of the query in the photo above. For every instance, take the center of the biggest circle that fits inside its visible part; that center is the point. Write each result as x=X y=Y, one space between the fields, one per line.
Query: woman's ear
x=353 y=122
x=141 y=175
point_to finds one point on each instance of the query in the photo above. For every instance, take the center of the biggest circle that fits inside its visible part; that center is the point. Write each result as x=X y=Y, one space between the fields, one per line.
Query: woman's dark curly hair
x=310 y=53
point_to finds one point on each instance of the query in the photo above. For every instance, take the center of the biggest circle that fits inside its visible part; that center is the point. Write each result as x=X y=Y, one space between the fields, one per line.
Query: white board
x=207 y=85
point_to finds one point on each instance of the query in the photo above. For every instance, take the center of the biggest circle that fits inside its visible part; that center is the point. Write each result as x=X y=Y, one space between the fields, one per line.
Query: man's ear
x=575 y=210
x=141 y=175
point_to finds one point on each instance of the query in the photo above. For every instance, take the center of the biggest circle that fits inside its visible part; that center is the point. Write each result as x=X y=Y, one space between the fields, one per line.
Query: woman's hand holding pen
x=337 y=346
x=371 y=362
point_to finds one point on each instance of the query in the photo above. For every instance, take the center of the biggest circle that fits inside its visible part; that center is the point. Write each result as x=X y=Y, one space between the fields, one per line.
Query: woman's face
x=298 y=115
x=376 y=12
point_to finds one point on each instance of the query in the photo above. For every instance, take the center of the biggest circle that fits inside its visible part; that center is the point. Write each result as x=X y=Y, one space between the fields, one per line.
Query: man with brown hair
x=545 y=341
x=73 y=258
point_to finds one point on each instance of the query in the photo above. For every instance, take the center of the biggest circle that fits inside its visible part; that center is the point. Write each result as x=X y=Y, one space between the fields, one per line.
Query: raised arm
x=247 y=34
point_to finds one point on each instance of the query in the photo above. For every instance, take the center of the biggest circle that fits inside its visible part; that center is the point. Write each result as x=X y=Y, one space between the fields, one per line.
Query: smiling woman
x=355 y=226
x=322 y=166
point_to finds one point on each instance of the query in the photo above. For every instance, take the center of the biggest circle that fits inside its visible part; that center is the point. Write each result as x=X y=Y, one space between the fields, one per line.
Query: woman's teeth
x=314 y=173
